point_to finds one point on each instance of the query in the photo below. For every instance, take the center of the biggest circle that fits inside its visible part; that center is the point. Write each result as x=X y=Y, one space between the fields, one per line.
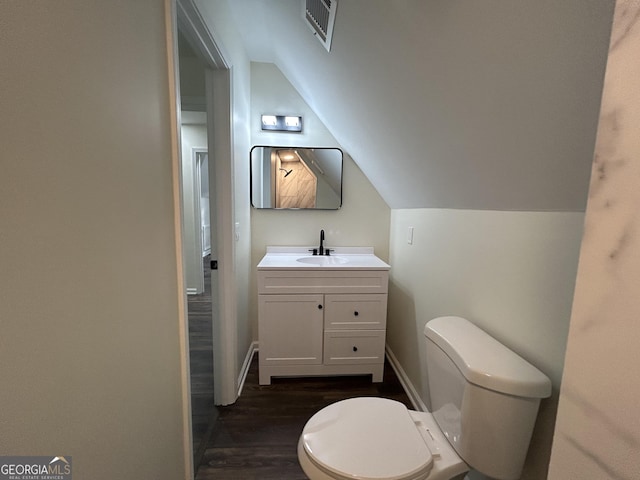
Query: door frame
x=197 y=161
x=220 y=150
x=221 y=190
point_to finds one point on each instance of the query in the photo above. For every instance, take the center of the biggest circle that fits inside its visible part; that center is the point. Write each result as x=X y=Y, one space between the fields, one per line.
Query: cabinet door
x=350 y=312
x=290 y=329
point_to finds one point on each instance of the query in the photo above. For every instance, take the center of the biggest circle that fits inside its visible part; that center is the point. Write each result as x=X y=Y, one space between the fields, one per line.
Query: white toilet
x=484 y=399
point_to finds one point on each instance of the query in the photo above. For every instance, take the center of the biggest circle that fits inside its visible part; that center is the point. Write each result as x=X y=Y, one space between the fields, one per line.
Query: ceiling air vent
x=320 y=15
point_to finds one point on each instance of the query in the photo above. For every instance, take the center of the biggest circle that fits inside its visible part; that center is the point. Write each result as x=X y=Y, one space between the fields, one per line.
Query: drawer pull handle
x=319 y=307
x=355 y=349
x=356 y=313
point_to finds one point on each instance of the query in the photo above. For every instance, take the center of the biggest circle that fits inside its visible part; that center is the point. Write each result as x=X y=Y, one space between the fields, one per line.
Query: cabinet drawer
x=278 y=282
x=353 y=346
x=351 y=312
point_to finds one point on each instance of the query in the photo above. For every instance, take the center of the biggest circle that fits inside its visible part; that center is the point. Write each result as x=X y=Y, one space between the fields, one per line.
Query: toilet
x=484 y=401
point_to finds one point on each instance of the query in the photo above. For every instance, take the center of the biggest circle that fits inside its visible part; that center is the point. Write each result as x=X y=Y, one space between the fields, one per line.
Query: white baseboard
x=253 y=348
x=410 y=390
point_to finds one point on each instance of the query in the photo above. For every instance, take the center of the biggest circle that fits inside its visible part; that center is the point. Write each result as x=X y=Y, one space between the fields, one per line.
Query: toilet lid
x=367 y=439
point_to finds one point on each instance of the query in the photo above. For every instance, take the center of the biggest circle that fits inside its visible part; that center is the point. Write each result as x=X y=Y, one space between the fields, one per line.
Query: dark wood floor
x=256 y=437
x=203 y=411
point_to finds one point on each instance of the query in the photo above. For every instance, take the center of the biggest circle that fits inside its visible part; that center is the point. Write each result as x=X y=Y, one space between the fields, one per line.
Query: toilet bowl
x=342 y=442
x=485 y=401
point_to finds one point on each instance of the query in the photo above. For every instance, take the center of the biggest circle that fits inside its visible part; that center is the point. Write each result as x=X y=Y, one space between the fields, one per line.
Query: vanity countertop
x=341 y=258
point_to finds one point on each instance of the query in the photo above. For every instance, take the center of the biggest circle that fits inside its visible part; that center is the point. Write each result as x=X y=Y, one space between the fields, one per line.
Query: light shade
x=282 y=123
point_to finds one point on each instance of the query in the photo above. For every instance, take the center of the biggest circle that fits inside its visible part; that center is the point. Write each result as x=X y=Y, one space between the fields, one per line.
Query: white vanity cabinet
x=321 y=321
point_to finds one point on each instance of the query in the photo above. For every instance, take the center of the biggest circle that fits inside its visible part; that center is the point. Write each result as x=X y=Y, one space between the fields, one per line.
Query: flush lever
x=429 y=439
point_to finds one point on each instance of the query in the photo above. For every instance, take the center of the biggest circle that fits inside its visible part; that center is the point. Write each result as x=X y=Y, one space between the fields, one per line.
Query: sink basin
x=323 y=260
x=300 y=258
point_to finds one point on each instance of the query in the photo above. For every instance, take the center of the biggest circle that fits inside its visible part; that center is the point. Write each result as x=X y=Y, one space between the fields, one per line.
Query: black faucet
x=321 y=249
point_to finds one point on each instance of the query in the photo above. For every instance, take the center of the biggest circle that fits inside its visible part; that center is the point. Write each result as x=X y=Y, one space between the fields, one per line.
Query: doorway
x=197 y=245
x=216 y=109
x=201 y=160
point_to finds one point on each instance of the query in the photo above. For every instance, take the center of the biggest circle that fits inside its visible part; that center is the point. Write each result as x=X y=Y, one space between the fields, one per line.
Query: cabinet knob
x=355 y=349
x=356 y=313
x=319 y=307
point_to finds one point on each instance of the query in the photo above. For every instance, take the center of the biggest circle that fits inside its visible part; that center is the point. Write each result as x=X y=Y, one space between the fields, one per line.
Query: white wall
x=271 y=92
x=192 y=136
x=363 y=219
x=511 y=273
x=598 y=430
x=90 y=289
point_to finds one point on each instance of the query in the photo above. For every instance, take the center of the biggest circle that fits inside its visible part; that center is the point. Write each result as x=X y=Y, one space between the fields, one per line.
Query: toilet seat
x=366 y=439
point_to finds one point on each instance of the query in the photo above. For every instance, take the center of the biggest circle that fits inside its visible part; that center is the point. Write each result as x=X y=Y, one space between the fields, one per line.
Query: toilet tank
x=484 y=396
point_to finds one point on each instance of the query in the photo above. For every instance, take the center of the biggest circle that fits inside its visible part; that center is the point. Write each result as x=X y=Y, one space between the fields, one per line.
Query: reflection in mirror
x=295 y=177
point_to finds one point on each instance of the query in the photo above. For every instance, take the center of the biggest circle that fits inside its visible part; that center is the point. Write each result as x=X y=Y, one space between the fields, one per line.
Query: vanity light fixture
x=293 y=122
x=282 y=123
x=269 y=121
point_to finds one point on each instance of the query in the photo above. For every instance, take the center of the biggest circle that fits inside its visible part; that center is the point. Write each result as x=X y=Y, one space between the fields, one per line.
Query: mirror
x=296 y=177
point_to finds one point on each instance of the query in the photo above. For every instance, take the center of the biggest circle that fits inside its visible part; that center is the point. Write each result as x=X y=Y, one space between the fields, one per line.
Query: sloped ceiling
x=483 y=104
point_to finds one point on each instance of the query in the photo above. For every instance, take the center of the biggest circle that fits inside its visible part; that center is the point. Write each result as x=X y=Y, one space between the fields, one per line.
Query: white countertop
x=341 y=258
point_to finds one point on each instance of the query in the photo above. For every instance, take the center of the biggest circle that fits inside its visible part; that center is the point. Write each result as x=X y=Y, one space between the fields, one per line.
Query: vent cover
x=320 y=16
